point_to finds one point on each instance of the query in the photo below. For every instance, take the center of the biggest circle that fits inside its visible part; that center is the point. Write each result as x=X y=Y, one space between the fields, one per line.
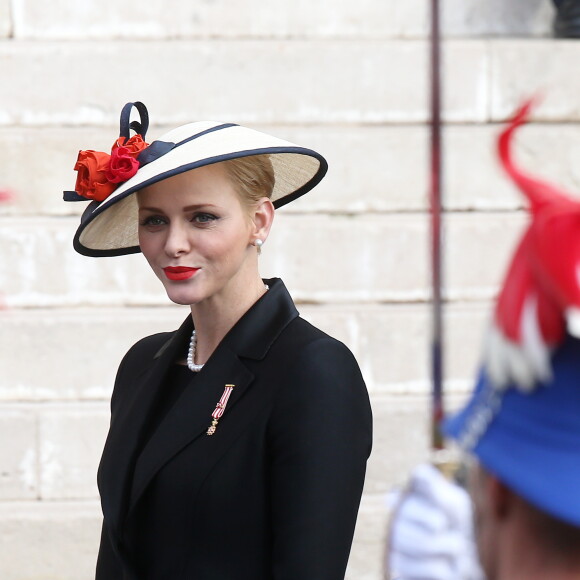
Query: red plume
x=537 y=191
x=540 y=295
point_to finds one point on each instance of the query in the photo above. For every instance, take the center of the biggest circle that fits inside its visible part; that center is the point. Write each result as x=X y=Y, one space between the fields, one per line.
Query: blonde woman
x=238 y=443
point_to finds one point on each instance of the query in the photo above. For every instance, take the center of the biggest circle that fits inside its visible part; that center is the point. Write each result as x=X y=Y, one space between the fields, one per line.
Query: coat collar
x=126 y=469
x=252 y=336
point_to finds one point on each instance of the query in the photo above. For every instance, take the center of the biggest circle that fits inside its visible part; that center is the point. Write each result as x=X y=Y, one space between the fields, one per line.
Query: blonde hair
x=253 y=176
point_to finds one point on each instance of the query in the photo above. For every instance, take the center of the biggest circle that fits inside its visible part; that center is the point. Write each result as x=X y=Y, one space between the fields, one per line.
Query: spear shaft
x=435 y=202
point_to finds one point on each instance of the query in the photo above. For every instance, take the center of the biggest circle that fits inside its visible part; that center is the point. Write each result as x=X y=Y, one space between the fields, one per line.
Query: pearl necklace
x=191 y=355
x=192 y=344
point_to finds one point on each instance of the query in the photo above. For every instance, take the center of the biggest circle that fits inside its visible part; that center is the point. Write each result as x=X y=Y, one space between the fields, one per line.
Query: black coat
x=274 y=493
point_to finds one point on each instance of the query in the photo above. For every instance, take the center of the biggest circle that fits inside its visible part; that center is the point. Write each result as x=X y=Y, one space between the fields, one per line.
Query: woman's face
x=196 y=235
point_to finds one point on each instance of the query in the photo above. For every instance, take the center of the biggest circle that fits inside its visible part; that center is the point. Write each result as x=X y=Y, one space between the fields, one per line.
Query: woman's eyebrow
x=154 y=209
x=198 y=206
x=194 y=207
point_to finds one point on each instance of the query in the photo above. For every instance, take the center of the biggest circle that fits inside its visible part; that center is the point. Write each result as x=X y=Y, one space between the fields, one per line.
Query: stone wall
x=348 y=79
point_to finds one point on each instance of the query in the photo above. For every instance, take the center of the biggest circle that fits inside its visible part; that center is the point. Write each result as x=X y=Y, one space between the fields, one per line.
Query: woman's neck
x=214 y=318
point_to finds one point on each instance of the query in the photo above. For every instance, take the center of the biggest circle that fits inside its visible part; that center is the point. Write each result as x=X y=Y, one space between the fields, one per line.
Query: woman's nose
x=177 y=241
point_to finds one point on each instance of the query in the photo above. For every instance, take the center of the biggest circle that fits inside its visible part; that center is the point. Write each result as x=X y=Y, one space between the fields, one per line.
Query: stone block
x=366 y=557
x=363 y=258
x=49 y=540
x=41 y=269
x=6 y=24
x=523 y=68
x=465 y=68
x=349 y=258
x=328 y=19
x=464 y=330
x=390 y=341
x=384 y=257
x=384 y=169
x=472 y=176
x=497 y=18
x=79 y=352
x=71 y=442
x=477 y=251
x=38 y=179
x=18 y=454
x=401 y=440
x=372 y=168
x=474 y=179
x=175 y=19
x=363 y=82
x=394 y=343
x=393 y=348
x=402 y=431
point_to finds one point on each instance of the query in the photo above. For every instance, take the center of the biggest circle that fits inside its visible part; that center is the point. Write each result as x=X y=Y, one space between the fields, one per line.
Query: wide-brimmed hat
x=109 y=224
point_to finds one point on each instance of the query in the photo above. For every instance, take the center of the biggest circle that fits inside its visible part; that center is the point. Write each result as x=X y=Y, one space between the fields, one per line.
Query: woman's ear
x=262 y=218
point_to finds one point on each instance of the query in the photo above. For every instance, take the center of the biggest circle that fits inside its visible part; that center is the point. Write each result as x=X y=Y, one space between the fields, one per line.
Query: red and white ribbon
x=220 y=408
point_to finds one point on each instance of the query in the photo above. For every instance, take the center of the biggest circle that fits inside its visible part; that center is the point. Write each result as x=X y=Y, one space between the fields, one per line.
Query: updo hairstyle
x=253 y=177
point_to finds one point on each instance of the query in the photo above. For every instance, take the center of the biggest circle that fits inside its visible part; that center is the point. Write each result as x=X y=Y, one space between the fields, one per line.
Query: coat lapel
x=127 y=423
x=125 y=469
x=190 y=417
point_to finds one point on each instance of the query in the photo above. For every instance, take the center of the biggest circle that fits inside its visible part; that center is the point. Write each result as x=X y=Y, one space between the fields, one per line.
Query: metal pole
x=435 y=195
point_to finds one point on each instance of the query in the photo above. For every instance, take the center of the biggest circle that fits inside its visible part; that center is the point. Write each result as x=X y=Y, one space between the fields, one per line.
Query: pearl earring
x=259 y=243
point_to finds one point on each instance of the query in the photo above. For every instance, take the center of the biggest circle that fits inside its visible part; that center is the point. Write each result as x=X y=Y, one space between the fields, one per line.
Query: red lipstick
x=179 y=272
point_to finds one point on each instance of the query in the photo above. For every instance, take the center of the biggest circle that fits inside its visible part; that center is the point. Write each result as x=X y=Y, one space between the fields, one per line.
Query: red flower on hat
x=92 y=181
x=122 y=165
x=100 y=173
x=134 y=145
x=124 y=162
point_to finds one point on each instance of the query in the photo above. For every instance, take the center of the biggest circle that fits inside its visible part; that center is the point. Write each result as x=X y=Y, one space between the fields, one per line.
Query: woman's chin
x=183 y=292
x=181 y=302
x=184 y=298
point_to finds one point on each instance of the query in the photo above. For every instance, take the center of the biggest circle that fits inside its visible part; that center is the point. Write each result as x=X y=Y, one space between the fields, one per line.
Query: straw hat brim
x=110 y=228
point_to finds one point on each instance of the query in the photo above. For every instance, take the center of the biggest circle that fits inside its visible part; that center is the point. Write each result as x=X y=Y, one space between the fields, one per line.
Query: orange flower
x=124 y=162
x=92 y=181
x=99 y=173
x=134 y=145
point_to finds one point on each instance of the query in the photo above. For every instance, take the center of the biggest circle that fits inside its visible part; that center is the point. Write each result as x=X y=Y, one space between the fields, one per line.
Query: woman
x=238 y=443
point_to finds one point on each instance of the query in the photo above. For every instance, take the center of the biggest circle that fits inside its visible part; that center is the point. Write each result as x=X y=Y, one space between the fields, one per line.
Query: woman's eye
x=153 y=220
x=204 y=218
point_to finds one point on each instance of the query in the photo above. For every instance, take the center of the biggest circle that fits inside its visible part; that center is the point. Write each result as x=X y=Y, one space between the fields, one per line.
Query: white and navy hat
x=109 y=226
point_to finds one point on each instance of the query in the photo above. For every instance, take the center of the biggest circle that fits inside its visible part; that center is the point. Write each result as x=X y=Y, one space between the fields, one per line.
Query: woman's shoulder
x=311 y=351
x=149 y=346
x=307 y=336
x=318 y=374
x=135 y=359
